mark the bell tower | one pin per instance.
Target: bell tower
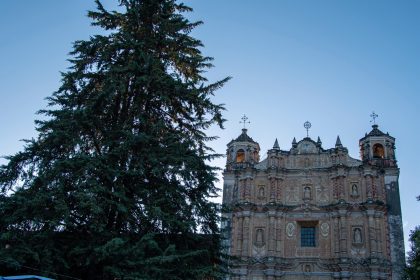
(242, 152)
(242, 156)
(377, 151)
(378, 148)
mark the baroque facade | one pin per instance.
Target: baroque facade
(313, 213)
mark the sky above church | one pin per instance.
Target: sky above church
(328, 62)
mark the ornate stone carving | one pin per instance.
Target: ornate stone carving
(292, 194)
(273, 188)
(354, 190)
(259, 237)
(261, 192)
(357, 236)
(307, 192)
(322, 194)
(325, 229)
(290, 229)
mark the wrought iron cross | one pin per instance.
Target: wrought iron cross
(373, 116)
(307, 125)
(244, 120)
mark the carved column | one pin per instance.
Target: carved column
(279, 190)
(245, 237)
(343, 233)
(278, 236)
(247, 193)
(369, 183)
(335, 188)
(372, 233)
(374, 188)
(378, 233)
(242, 189)
(336, 235)
(340, 187)
(273, 188)
(271, 233)
(239, 235)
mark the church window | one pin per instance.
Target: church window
(240, 156)
(307, 236)
(378, 151)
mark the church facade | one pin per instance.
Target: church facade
(313, 213)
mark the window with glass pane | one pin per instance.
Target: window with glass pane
(307, 236)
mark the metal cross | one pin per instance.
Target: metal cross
(373, 116)
(244, 120)
(307, 125)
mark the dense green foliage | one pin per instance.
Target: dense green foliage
(117, 184)
(413, 260)
(412, 271)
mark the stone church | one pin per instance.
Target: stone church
(313, 213)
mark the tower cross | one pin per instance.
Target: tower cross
(373, 116)
(307, 125)
(244, 120)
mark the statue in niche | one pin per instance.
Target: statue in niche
(261, 193)
(307, 268)
(354, 190)
(357, 236)
(259, 237)
(307, 193)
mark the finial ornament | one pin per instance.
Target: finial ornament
(244, 120)
(307, 125)
(373, 116)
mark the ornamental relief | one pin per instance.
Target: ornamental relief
(259, 248)
(290, 229)
(292, 194)
(325, 229)
(322, 195)
(354, 190)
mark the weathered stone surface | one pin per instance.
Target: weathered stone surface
(311, 213)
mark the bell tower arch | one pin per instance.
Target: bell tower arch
(378, 148)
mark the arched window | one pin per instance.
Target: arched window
(240, 156)
(378, 151)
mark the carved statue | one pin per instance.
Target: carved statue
(354, 190)
(307, 193)
(357, 236)
(261, 193)
(259, 239)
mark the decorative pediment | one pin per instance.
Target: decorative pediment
(307, 146)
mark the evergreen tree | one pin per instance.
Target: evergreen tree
(117, 183)
(412, 271)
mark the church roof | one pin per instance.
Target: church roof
(244, 137)
(376, 132)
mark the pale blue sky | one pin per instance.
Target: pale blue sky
(330, 62)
